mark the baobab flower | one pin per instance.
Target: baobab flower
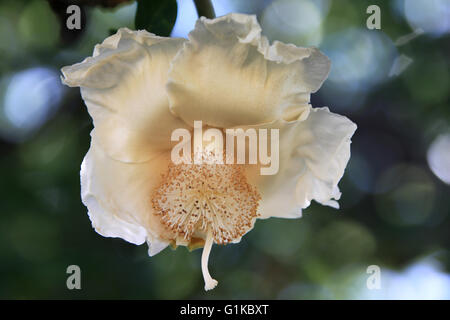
(139, 88)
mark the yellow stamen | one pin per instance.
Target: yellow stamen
(207, 201)
(195, 198)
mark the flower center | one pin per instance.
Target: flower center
(213, 201)
(201, 199)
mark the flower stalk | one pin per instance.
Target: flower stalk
(205, 8)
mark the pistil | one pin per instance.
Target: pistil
(210, 283)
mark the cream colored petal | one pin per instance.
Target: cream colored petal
(313, 157)
(117, 196)
(227, 74)
(123, 86)
(155, 245)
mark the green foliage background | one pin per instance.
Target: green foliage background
(44, 227)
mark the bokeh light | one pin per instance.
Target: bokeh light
(361, 59)
(187, 15)
(104, 22)
(432, 16)
(345, 242)
(30, 98)
(423, 279)
(406, 196)
(438, 157)
(38, 25)
(292, 21)
(361, 173)
(429, 82)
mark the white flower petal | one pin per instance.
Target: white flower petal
(117, 196)
(123, 86)
(228, 75)
(155, 245)
(313, 156)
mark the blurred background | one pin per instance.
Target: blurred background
(395, 208)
